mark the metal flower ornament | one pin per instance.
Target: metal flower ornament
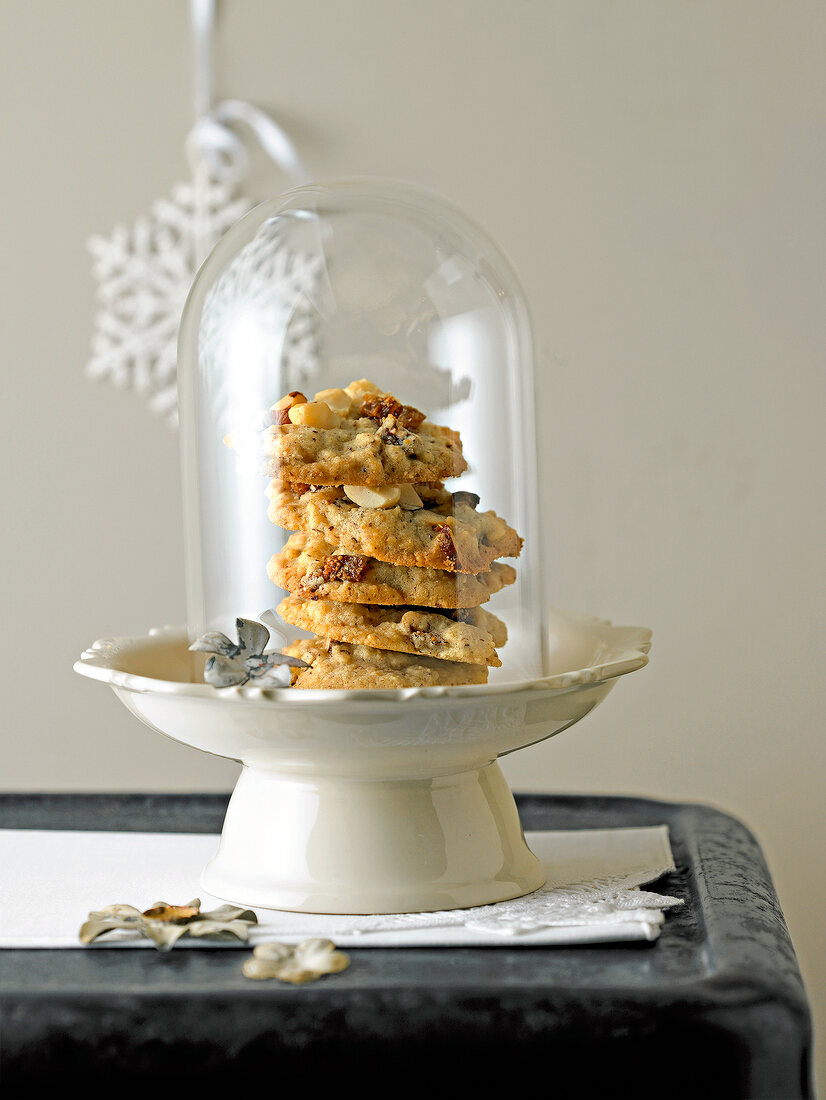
(165, 924)
(303, 962)
(236, 663)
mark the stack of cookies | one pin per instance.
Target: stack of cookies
(385, 566)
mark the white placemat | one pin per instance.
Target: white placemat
(51, 880)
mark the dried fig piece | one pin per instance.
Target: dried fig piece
(344, 567)
(445, 542)
(411, 418)
(377, 406)
(380, 406)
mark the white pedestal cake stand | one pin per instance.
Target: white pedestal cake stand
(368, 801)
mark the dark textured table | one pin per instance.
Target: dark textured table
(715, 1008)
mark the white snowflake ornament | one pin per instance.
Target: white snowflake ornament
(144, 275)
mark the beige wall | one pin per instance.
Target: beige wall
(656, 171)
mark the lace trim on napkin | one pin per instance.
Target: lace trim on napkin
(605, 900)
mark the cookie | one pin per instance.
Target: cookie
(470, 636)
(446, 532)
(358, 436)
(312, 568)
(336, 665)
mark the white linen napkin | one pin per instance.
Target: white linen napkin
(51, 880)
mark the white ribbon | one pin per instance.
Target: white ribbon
(223, 152)
(213, 146)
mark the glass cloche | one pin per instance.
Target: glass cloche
(360, 492)
(359, 442)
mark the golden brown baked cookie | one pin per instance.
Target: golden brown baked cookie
(337, 665)
(445, 533)
(310, 567)
(470, 636)
(358, 436)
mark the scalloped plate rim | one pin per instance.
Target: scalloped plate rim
(634, 643)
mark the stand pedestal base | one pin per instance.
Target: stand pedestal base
(369, 801)
(336, 845)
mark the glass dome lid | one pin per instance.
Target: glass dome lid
(358, 441)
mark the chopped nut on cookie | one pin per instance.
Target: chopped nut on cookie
(314, 414)
(357, 435)
(338, 400)
(382, 497)
(280, 412)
